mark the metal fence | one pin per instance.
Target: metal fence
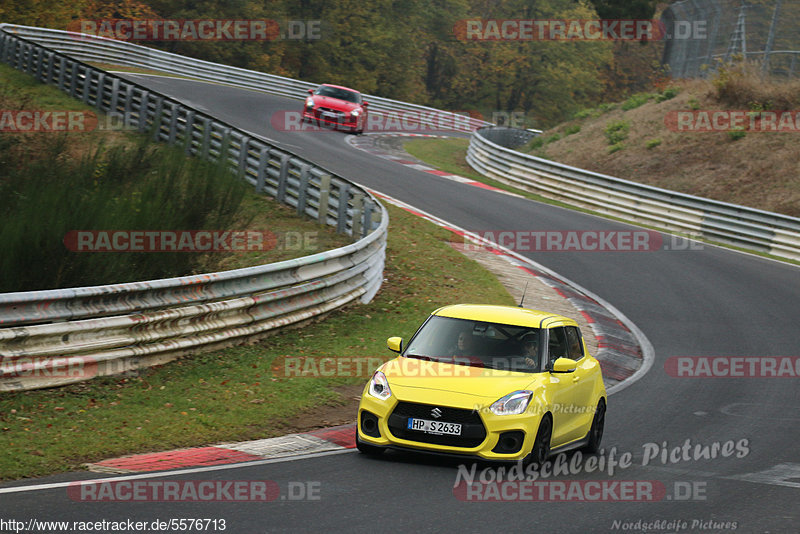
(717, 221)
(59, 336)
(101, 50)
(705, 33)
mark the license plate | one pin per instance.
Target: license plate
(434, 427)
(330, 116)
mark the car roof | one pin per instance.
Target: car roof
(511, 315)
(340, 87)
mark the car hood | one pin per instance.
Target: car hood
(334, 103)
(415, 377)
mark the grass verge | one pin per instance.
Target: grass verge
(236, 394)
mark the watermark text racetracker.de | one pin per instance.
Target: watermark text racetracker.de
(188, 240)
(143, 30)
(574, 241)
(733, 366)
(407, 121)
(706, 120)
(558, 30)
(194, 491)
(50, 121)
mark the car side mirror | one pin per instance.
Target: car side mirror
(395, 344)
(564, 365)
(364, 104)
(311, 91)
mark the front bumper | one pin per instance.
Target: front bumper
(336, 120)
(381, 424)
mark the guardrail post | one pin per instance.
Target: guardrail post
(324, 192)
(244, 146)
(73, 75)
(261, 176)
(302, 191)
(173, 122)
(188, 132)
(39, 66)
(157, 118)
(368, 210)
(114, 102)
(225, 147)
(62, 65)
(358, 206)
(49, 73)
(143, 110)
(283, 177)
(341, 213)
(206, 143)
(25, 63)
(87, 86)
(101, 89)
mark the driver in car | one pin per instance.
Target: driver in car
(530, 349)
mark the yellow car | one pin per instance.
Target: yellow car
(494, 382)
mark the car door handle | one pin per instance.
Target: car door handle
(576, 379)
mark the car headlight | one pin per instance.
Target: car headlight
(512, 404)
(309, 102)
(379, 386)
(355, 112)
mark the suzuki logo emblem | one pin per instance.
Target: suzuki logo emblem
(436, 412)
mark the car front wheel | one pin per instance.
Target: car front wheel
(541, 446)
(596, 432)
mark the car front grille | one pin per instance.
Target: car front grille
(472, 430)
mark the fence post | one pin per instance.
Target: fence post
(324, 192)
(302, 190)
(244, 146)
(261, 176)
(157, 118)
(283, 177)
(358, 206)
(341, 213)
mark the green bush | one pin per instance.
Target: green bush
(667, 94)
(735, 135)
(552, 139)
(617, 131)
(140, 187)
(536, 142)
(572, 129)
(583, 114)
(652, 143)
(616, 147)
(639, 99)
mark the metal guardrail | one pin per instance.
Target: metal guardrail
(89, 48)
(60, 336)
(741, 226)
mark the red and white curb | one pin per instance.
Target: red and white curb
(366, 142)
(323, 440)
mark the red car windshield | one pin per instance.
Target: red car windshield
(341, 94)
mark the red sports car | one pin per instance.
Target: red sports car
(336, 106)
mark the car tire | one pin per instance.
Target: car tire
(541, 445)
(596, 431)
(370, 450)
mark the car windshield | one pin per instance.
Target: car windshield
(477, 344)
(341, 94)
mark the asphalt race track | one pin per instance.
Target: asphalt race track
(706, 301)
